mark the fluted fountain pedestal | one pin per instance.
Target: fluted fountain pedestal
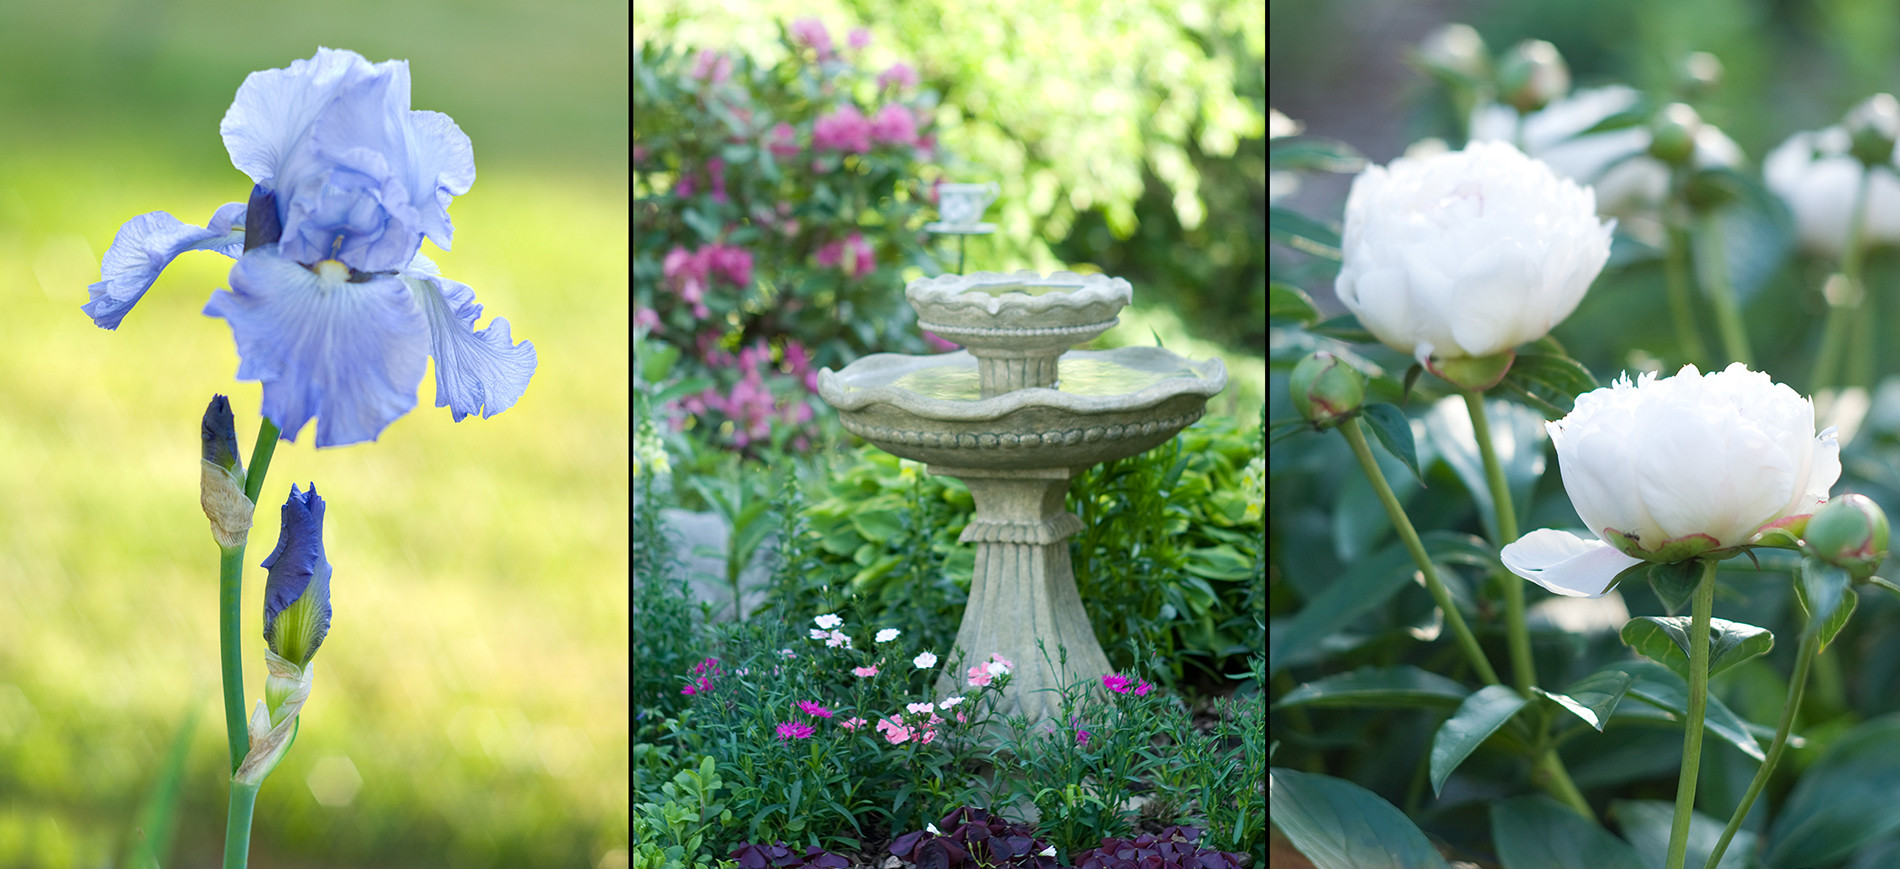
(1023, 589)
(1015, 416)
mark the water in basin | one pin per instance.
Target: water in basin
(1087, 376)
(1025, 289)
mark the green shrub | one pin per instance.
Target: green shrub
(681, 823)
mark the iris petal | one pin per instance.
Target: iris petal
(144, 246)
(275, 108)
(475, 372)
(349, 354)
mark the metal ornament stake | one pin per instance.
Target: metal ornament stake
(960, 210)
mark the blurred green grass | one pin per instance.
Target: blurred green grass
(470, 701)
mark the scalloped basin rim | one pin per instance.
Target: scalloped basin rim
(1210, 377)
(972, 291)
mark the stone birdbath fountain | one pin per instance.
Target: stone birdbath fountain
(1015, 416)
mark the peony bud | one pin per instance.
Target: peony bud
(1670, 469)
(1532, 75)
(1326, 390)
(1699, 74)
(1850, 532)
(1674, 133)
(1872, 126)
(1467, 253)
(1456, 50)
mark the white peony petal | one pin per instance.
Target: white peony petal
(1566, 564)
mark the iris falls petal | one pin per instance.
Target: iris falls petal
(475, 372)
(144, 246)
(348, 352)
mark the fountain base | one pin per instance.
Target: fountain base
(1024, 589)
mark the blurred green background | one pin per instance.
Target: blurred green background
(470, 707)
(1128, 137)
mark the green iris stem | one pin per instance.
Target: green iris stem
(1523, 667)
(1728, 313)
(1834, 333)
(1703, 610)
(237, 825)
(1682, 309)
(230, 591)
(1803, 659)
(230, 598)
(1357, 438)
(237, 832)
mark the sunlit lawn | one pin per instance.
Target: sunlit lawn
(470, 703)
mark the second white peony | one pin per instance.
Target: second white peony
(1667, 469)
(1467, 253)
(1819, 180)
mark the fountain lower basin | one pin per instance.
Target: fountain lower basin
(1105, 405)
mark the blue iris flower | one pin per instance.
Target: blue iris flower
(332, 305)
(297, 591)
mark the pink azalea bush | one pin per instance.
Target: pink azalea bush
(753, 226)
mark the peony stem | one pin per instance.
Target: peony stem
(1834, 333)
(1357, 438)
(1549, 773)
(1803, 658)
(1676, 269)
(1523, 667)
(1703, 609)
(1728, 314)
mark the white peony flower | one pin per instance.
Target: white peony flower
(1672, 468)
(828, 621)
(1615, 163)
(1468, 253)
(1816, 176)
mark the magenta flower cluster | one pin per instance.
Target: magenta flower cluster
(750, 404)
(853, 255)
(1118, 683)
(690, 273)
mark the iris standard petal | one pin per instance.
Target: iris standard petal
(475, 372)
(1566, 564)
(144, 246)
(442, 166)
(275, 108)
(349, 353)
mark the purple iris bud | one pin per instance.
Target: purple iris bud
(297, 592)
(219, 431)
(333, 307)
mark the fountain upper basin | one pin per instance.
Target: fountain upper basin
(1106, 405)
